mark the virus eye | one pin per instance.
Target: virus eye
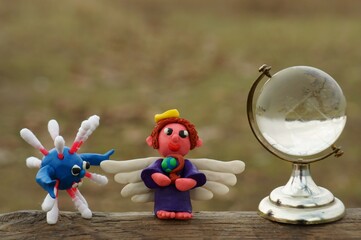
(168, 131)
(75, 170)
(183, 133)
(86, 165)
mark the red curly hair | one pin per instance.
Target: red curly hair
(193, 134)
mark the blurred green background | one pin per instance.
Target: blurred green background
(127, 60)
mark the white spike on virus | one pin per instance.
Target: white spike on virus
(59, 146)
(82, 207)
(53, 128)
(87, 127)
(48, 202)
(83, 131)
(53, 214)
(33, 162)
(97, 178)
(93, 122)
(30, 138)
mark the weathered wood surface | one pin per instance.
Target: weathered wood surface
(141, 225)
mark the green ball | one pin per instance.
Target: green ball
(168, 164)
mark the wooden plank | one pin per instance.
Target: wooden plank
(142, 225)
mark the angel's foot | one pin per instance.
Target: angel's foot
(183, 215)
(161, 214)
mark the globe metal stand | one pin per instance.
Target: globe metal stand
(300, 201)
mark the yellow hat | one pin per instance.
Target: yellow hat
(172, 113)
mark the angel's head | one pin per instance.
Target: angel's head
(173, 135)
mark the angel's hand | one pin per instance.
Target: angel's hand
(185, 184)
(161, 179)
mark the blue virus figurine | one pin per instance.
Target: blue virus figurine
(63, 169)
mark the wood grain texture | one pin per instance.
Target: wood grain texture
(143, 225)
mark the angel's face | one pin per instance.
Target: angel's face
(174, 139)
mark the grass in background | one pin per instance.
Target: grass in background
(127, 60)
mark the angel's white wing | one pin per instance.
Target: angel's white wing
(128, 173)
(219, 174)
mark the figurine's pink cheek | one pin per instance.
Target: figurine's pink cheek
(186, 142)
(184, 146)
(163, 140)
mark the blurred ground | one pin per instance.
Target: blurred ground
(127, 60)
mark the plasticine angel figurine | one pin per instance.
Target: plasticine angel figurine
(171, 181)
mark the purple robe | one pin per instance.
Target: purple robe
(169, 198)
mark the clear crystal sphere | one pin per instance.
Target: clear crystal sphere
(301, 111)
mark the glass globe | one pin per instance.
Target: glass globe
(301, 111)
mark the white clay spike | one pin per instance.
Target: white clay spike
(94, 120)
(53, 214)
(30, 138)
(33, 162)
(82, 208)
(53, 128)
(80, 196)
(84, 127)
(99, 179)
(80, 136)
(48, 203)
(59, 145)
(94, 123)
